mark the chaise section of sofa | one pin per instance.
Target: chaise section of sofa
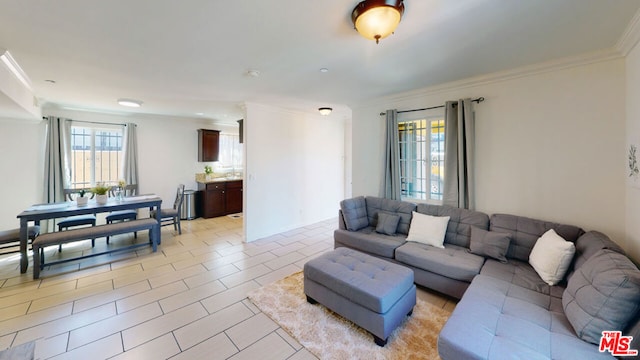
(496, 319)
(508, 311)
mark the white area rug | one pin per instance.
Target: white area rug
(329, 336)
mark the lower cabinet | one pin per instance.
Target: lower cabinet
(221, 198)
(233, 201)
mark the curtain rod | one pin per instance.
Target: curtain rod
(478, 100)
(94, 122)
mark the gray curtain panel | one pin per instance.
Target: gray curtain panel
(459, 154)
(392, 186)
(57, 171)
(130, 155)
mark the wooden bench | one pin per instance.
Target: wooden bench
(64, 237)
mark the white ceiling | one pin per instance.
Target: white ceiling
(192, 56)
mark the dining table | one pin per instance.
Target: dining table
(39, 212)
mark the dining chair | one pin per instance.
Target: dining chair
(11, 238)
(77, 220)
(172, 216)
(123, 215)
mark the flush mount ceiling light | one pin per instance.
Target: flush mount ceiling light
(377, 19)
(325, 111)
(130, 103)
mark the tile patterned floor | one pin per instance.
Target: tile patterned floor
(187, 301)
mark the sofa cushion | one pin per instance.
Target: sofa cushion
(525, 232)
(489, 243)
(428, 229)
(453, 261)
(369, 241)
(522, 274)
(590, 243)
(551, 257)
(354, 213)
(395, 207)
(496, 319)
(387, 223)
(460, 222)
(602, 295)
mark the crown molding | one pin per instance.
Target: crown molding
(630, 37)
(524, 71)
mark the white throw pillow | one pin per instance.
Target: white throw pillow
(551, 257)
(428, 229)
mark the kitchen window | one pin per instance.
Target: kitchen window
(422, 158)
(96, 155)
(230, 153)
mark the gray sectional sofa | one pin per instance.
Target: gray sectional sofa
(505, 310)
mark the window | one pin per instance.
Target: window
(422, 158)
(230, 153)
(96, 155)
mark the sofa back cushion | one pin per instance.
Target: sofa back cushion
(602, 295)
(525, 232)
(590, 243)
(354, 213)
(460, 222)
(393, 207)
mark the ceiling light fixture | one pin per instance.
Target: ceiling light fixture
(15, 69)
(324, 111)
(377, 19)
(130, 103)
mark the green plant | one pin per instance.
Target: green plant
(81, 192)
(100, 189)
(208, 170)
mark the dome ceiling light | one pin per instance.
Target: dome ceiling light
(324, 111)
(377, 19)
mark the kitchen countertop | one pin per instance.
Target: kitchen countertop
(201, 178)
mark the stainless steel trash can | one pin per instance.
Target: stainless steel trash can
(188, 210)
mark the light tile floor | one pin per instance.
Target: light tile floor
(186, 301)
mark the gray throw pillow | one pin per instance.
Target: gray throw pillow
(602, 295)
(354, 212)
(387, 223)
(489, 243)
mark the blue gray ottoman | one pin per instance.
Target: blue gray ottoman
(373, 293)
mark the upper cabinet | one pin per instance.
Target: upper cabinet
(208, 145)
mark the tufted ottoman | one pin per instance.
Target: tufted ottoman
(373, 293)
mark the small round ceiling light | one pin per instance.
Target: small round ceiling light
(324, 111)
(377, 19)
(130, 103)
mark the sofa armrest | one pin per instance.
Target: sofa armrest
(341, 224)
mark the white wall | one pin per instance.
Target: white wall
(22, 164)
(294, 169)
(548, 145)
(633, 137)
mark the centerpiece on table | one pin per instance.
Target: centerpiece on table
(101, 190)
(120, 190)
(81, 200)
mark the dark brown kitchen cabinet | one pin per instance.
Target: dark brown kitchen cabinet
(233, 199)
(221, 198)
(208, 145)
